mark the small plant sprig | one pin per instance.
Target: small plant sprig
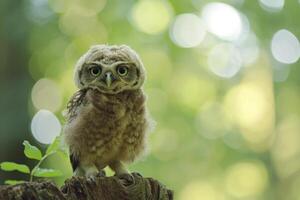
(32, 152)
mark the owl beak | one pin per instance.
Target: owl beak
(108, 78)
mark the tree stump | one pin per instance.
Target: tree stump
(81, 188)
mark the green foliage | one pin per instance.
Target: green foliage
(32, 152)
(13, 182)
(54, 146)
(40, 172)
(11, 166)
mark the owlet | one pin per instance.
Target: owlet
(107, 119)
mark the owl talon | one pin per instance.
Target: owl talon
(101, 174)
(126, 179)
(91, 178)
(137, 174)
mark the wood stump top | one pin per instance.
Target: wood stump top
(81, 188)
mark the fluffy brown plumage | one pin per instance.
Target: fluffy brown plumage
(107, 120)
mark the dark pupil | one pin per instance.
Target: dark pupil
(122, 70)
(95, 71)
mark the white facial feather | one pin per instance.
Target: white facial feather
(98, 50)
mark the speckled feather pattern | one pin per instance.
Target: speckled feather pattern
(107, 119)
(108, 127)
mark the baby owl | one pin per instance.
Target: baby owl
(107, 120)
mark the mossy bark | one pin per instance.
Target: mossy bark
(98, 188)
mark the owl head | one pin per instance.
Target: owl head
(109, 69)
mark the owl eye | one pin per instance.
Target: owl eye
(95, 70)
(122, 70)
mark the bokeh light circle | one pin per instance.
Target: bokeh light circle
(225, 60)
(89, 25)
(223, 20)
(46, 94)
(285, 47)
(280, 72)
(188, 30)
(151, 16)
(205, 122)
(272, 5)
(91, 7)
(45, 126)
(249, 49)
(203, 190)
(246, 179)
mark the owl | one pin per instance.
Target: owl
(107, 121)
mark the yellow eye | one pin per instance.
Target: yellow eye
(95, 70)
(122, 70)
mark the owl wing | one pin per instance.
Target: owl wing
(70, 113)
(74, 103)
(74, 161)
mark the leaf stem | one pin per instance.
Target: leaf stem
(37, 166)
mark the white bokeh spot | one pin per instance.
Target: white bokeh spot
(285, 47)
(225, 60)
(188, 30)
(45, 126)
(272, 5)
(46, 94)
(249, 49)
(223, 20)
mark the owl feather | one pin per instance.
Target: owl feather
(76, 101)
(107, 118)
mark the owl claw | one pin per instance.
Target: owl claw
(91, 178)
(137, 174)
(126, 179)
(101, 174)
(94, 176)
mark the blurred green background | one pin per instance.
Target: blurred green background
(223, 85)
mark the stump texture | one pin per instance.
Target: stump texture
(98, 188)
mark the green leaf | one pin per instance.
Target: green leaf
(11, 166)
(63, 151)
(31, 151)
(54, 146)
(13, 182)
(40, 172)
